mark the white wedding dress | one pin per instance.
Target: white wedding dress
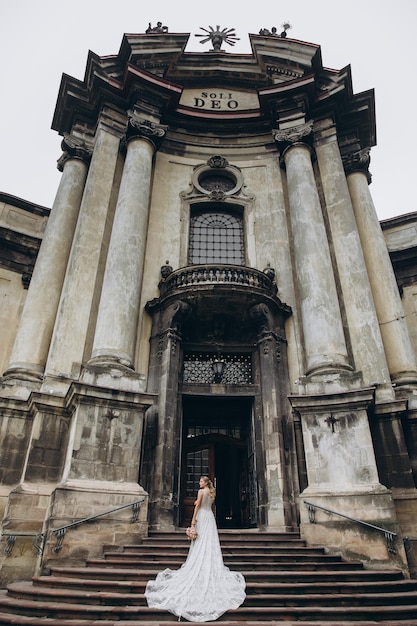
(203, 588)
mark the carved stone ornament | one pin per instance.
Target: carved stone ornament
(358, 162)
(217, 179)
(73, 148)
(295, 134)
(217, 161)
(146, 129)
(166, 270)
(262, 315)
(217, 37)
(270, 272)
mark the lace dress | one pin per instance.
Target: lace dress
(203, 588)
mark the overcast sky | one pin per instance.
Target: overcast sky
(40, 40)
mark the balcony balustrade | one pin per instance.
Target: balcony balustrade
(208, 275)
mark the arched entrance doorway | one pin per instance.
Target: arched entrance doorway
(217, 440)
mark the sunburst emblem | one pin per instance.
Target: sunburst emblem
(217, 37)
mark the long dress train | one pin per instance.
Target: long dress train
(203, 588)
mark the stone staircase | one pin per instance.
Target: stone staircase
(286, 580)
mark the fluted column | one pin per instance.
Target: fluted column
(394, 331)
(366, 341)
(116, 328)
(324, 341)
(33, 338)
(80, 287)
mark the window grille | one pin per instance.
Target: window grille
(234, 432)
(198, 368)
(216, 237)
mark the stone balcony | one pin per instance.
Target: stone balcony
(232, 277)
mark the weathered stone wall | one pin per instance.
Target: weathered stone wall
(21, 229)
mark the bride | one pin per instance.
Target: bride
(203, 588)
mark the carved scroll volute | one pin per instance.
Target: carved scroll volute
(175, 315)
(358, 162)
(263, 317)
(301, 135)
(145, 129)
(73, 148)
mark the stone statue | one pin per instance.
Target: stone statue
(166, 270)
(274, 31)
(157, 29)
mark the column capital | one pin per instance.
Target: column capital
(300, 135)
(358, 162)
(145, 129)
(73, 148)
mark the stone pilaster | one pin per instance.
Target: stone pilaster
(276, 513)
(398, 348)
(33, 338)
(73, 319)
(115, 335)
(325, 347)
(362, 321)
(163, 485)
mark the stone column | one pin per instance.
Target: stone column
(79, 291)
(394, 331)
(324, 340)
(116, 328)
(33, 338)
(362, 321)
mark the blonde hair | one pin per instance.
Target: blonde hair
(210, 486)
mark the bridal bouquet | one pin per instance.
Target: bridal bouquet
(191, 533)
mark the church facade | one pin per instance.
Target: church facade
(211, 293)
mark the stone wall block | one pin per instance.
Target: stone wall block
(49, 438)
(106, 443)
(351, 539)
(15, 428)
(80, 500)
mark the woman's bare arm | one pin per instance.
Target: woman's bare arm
(197, 504)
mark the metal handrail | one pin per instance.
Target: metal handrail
(40, 538)
(38, 541)
(407, 544)
(389, 534)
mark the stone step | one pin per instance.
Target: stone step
(244, 613)
(238, 536)
(260, 549)
(248, 557)
(28, 591)
(297, 585)
(20, 620)
(138, 586)
(235, 564)
(145, 574)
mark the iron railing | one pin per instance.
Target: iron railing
(389, 535)
(39, 539)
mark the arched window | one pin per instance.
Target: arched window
(216, 236)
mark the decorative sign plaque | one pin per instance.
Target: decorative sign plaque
(225, 100)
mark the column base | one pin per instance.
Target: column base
(113, 375)
(330, 381)
(19, 383)
(111, 358)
